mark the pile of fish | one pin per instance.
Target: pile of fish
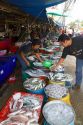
(59, 69)
(60, 77)
(50, 47)
(57, 54)
(38, 64)
(22, 117)
(36, 73)
(45, 56)
(24, 110)
(56, 91)
(49, 50)
(55, 57)
(56, 43)
(31, 58)
(34, 84)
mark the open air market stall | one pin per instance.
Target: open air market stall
(44, 97)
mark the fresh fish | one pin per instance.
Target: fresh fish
(56, 91)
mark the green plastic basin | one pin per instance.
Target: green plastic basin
(47, 63)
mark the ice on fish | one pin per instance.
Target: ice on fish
(58, 113)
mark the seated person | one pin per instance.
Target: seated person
(35, 35)
(35, 50)
(21, 54)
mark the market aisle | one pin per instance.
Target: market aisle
(76, 96)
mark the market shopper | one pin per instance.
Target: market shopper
(72, 46)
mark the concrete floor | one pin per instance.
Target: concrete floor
(76, 96)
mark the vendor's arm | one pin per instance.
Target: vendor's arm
(38, 57)
(24, 58)
(64, 54)
(56, 65)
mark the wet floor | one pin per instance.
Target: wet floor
(76, 96)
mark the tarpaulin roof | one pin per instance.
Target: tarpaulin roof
(35, 7)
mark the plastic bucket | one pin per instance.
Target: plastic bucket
(33, 91)
(7, 67)
(72, 123)
(59, 106)
(47, 63)
(65, 99)
(45, 123)
(53, 87)
(58, 82)
(39, 91)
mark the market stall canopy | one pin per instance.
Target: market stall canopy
(35, 7)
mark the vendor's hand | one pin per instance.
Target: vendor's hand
(41, 61)
(52, 68)
(28, 64)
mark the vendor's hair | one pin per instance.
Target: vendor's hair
(63, 37)
(36, 42)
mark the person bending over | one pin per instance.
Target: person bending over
(72, 46)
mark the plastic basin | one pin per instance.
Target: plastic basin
(47, 63)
